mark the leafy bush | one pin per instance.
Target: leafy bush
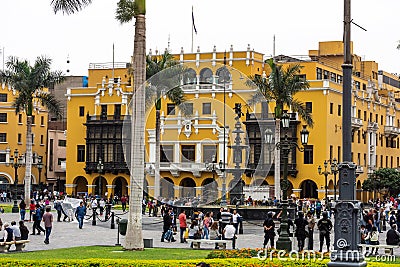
(158, 263)
(251, 253)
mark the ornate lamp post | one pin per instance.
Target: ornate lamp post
(212, 167)
(100, 167)
(285, 145)
(325, 173)
(16, 161)
(39, 165)
(334, 171)
(222, 168)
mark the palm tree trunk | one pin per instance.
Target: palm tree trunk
(28, 159)
(157, 159)
(134, 238)
(277, 172)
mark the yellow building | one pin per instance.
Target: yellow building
(95, 161)
(189, 142)
(13, 137)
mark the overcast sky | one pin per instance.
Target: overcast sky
(30, 28)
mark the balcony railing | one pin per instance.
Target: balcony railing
(268, 116)
(269, 169)
(356, 123)
(359, 170)
(108, 167)
(392, 131)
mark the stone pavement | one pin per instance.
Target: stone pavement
(67, 234)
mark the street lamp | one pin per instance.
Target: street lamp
(222, 168)
(212, 167)
(285, 145)
(39, 165)
(100, 167)
(334, 171)
(16, 161)
(325, 173)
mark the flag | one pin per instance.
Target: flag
(193, 25)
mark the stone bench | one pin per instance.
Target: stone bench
(221, 243)
(19, 245)
(388, 248)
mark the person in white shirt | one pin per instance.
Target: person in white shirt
(16, 231)
(235, 220)
(229, 233)
(102, 205)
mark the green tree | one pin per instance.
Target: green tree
(281, 86)
(162, 84)
(128, 10)
(28, 82)
(386, 178)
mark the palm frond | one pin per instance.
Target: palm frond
(300, 108)
(51, 103)
(69, 6)
(126, 11)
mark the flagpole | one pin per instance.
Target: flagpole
(113, 62)
(192, 29)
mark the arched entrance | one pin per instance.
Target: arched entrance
(4, 183)
(209, 189)
(167, 188)
(331, 191)
(308, 189)
(101, 186)
(81, 186)
(358, 190)
(121, 186)
(188, 189)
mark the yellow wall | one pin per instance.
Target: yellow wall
(327, 129)
(12, 128)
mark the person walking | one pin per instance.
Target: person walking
(48, 223)
(58, 208)
(123, 203)
(24, 230)
(22, 209)
(310, 227)
(182, 225)
(301, 233)
(269, 230)
(32, 208)
(167, 224)
(37, 218)
(80, 213)
(325, 226)
(102, 205)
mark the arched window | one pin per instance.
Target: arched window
(223, 75)
(206, 76)
(190, 77)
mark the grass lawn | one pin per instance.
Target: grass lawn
(104, 252)
(7, 207)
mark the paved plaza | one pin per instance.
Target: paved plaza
(67, 234)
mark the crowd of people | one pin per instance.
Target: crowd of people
(200, 225)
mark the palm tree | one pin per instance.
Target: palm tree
(281, 85)
(127, 10)
(28, 82)
(173, 91)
